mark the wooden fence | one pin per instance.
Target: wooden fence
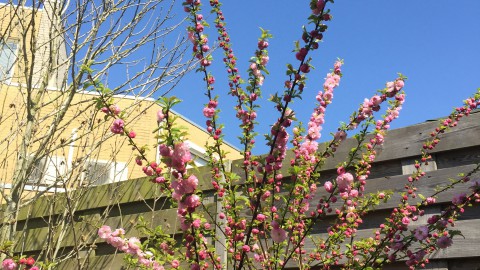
(122, 204)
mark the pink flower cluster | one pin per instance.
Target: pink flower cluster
(310, 146)
(9, 264)
(176, 158)
(421, 233)
(209, 110)
(131, 246)
(257, 72)
(200, 45)
(114, 109)
(184, 186)
(344, 180)
(277, 233)
(117, 126)
(274, 161)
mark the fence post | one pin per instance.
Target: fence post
(220, 240)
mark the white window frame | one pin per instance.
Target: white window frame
(53, 168)
(9, 75)
(199, 153)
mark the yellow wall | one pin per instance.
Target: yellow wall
(93, 139)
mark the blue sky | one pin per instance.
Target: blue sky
(434, 43)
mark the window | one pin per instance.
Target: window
(104, 172)
(48, 171)
(198, 154)
(199, 159)
(97, 173)
(8, 56)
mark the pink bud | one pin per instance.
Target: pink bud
(160, 116)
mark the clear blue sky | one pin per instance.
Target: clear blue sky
(436, 44)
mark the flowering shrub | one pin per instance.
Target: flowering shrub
(22, 263)
(267, 218)
(281, 213)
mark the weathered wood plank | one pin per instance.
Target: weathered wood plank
(458, 157)
(426, 186)
(106, 262)
(404, 143)
(86, 227)
(464, 264)
(461, 248)
(86, 231)
(105, 195)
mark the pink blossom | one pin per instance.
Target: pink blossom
(160, 180)
(264, 60)
(175, 263)
(344, 182)
(191, 36)
(192, 202)
(399, 84)
(261, 217)
(190, 184)
(133, 245)
(9, 264)
(118, 232)
(328, 186)
(160, 116)
(117, 126)
(405, 220)
(262, 44)
(197, 223)
(278, 234)
(459, 199)
(376, 100)
(104, 232)
(421, 233)
(165, 151)
(444, 242)
(116, 241)
(181, 155)
(260, 80)
(208, 112)
(115, 109)
(430, 200)
(199, 27)
(390, 87)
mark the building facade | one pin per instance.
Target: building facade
(52, 136)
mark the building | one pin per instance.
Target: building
(51, 134)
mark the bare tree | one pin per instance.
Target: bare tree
(50, 132)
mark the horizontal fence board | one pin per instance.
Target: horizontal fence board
(102, 196)
(106, 262)
(464, 264)
(458, 157)
(86, 230)
(461, 248)
(402, 143)
(426, 186)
